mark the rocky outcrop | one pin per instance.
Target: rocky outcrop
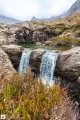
(41, 33)
(24, 35)
(14, 52)
(35, 60)
(68, 64)
(6, 68)
(28, 35)
(7, 35)
(39, 36)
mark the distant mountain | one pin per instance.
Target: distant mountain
(74, 8)
(34, 18)
(51, 18)
(8, 20)
(56, 17)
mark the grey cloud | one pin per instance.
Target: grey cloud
(25, 9)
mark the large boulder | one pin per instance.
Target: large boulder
(14, 52)
(35, 60)
(6, 68)
(68, 64)
(24, 34)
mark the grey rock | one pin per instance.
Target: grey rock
(14, 52)
(68, 64)
(6, 68)
(35, 59)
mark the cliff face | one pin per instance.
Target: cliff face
(74, 8)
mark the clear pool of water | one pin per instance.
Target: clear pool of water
(33, 46)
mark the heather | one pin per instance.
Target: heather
(23, 97)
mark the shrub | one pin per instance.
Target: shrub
(26, 98)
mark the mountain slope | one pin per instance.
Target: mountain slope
(74, 8)
(7, 20)
(51, 18)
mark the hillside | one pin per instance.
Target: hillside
(74, 8)
(63, 31)
(8, 20)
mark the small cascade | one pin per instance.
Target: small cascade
(47, 67)
(24, 62)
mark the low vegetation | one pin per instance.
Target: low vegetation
(23, 97)
(65, 41)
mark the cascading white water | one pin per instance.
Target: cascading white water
(24, 62)
(47, 67)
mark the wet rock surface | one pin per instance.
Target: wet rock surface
(35, 60)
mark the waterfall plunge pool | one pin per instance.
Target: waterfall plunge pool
(47, 47)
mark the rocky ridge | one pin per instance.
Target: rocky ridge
(74, 8)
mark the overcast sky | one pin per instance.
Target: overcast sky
(26, 9)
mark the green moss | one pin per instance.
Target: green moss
(70, 71)
(27, 45)
(77, 52)
(10, 52)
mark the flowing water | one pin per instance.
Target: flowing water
(47, 67)
(24, 62)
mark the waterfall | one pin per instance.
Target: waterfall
(24, 62)
(47, 67)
